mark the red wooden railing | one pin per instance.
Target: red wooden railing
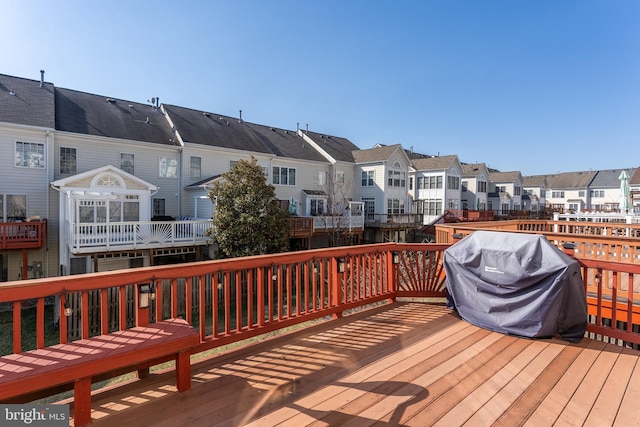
(22, 235)
(231, 300)
(613, 299)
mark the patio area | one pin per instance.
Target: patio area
(405, 363)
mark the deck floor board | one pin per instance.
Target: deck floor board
(404, 364)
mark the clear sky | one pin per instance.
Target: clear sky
(536, 86)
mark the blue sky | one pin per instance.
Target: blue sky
(536, 86)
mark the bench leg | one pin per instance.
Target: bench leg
(183, 371)
(82, 402)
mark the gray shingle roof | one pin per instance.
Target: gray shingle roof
(635, 177)
(511, 176)
(338, 148)
(472, 169)
(216, 130)
(534, 181)
(24, 102)
(433, 163)
(570, 180)
(608, 178)
(377, 154)
(98, 115)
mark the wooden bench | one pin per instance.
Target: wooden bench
(78, 361)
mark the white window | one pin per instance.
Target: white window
(284, 176)
(13, 207)
(430, 207)
(369, 207)
(318, 207)
(453, 183)
(68, 161)
(395, 206)
(368, 178)
(167, 167)
(29, 155)
(340, 177)
(196, 167)
(158, 207)
(482, 186)
(396, 179)
(126, 163)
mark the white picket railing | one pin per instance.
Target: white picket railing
(94, 237)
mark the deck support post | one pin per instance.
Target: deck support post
(183, 371)
(82, 402)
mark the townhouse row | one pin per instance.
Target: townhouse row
(93, 183)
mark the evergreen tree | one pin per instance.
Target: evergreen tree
(247, 219)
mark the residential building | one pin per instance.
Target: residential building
(604, 190)
(569, 191)
(505, 194)
(383, 188)
(534, 192)
(437, 185)
(475, 186)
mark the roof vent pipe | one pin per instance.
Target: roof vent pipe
(41, 78)
(298, 127)
(240, 119)
(307, 128)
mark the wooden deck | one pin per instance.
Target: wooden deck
(404, 364)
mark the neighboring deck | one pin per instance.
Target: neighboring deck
(407, 364)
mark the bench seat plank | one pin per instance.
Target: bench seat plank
(64, 363)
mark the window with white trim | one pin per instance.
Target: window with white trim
(127, 163)
(453, 183)
(368, 178)
(284, 176)
(395, 206)
(159, 207)
(195, 167)
(68, 161)
(29, 155)
(369, 206)
(318, 207)
(396, 179)
(13, 207)
(167, 167)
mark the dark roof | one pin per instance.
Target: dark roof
(635, 177)
(216, 130)
(98, 115)
(205, 181)
(340, 149)
(608, 178)
(24, 102)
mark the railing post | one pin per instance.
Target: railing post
(392, 277)
(336, 279)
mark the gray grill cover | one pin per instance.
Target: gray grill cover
(517, 284)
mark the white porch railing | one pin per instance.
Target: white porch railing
(347, 222)
(119, 236)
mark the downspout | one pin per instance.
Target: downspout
(48, 179)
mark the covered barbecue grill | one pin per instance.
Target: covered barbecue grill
(518, 284)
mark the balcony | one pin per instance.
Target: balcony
(394, 221)
(22, 235)
(370, 355)
(306, 226)
(123, 236)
